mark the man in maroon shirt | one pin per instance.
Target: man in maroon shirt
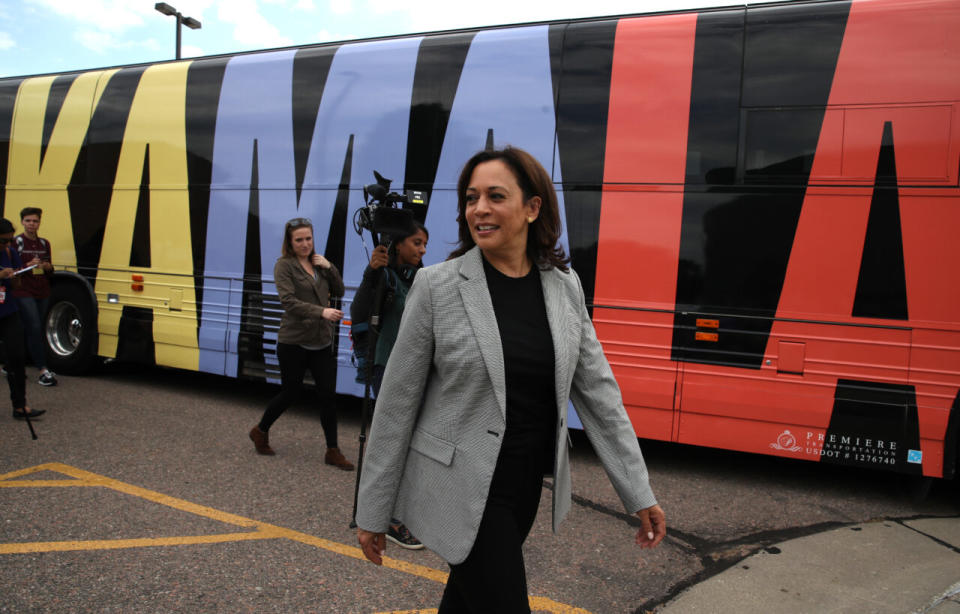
(34, 292)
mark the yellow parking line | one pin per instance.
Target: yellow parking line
(44, 483)
(93, 479)
(19, 472)
(357, 553)
(116, 544)
(264, 530)
(261, 530)
(543, 604)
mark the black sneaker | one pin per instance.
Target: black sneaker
(47, 378)
(401, 536)
(33, 413)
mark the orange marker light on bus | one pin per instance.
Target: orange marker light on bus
(707, 337)
(137, 285)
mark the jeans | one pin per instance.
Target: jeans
(32, 312)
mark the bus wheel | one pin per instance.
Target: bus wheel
(70, 330)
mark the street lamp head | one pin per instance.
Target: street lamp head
(165, 8)
(191, 23)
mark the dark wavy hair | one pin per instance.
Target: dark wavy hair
(295, 224)
(544, 232)
(415, 227)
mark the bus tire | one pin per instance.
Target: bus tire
(70, 330)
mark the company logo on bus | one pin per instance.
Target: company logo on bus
(787, 441)
(855, 449)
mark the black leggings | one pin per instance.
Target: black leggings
(493, 577)
(11, 333)
(294, 361)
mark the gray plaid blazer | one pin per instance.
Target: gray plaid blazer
(441, 414)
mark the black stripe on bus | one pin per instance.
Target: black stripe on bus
(8, 99)
(436, 77)
(768, 139)
(250, 348)
(882, 285)
(91, 186)
(310, 70)
(715, 97)
(58, 93)
(874, 425)
(950, 441)
(140, 242)
(336, 236)
(204, 79)
(135, 336)
(583, 105)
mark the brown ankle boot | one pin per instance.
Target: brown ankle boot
(337, 459)
(261, 441)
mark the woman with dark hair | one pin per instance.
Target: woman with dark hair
(395, 267)
(305, 282)
(11, 329)
(494, 342)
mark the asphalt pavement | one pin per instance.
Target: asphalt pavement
(144, 494)
(910, 566)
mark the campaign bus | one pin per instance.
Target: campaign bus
(762, 202)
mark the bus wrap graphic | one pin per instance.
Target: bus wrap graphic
(761, 202)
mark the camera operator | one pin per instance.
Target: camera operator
(396, 267)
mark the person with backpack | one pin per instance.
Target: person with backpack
(395, 267)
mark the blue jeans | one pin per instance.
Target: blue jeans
(32, 312)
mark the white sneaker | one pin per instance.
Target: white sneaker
(47, 378)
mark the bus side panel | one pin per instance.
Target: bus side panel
(147, 230)
(747, 166)
(639, 233)
(253, 173)
(520, 111)
(362, 125)
(203, 93)
(880, 258)
(51, 123)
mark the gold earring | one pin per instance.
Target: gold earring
(530, 220)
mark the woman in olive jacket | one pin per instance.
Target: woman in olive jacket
(305, 282)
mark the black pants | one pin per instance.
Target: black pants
(294, 361)
(493, 578)
(11, 333)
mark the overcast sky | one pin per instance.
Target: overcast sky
(44, 36)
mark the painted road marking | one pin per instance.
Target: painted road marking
(259, 530)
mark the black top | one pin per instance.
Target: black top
(528, 360)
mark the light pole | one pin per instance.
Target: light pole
(190, 22)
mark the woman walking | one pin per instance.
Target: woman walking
(305, 282)
(494, 342)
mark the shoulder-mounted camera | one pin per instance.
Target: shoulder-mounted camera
(388, 214)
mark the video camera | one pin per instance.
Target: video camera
(387, 214)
